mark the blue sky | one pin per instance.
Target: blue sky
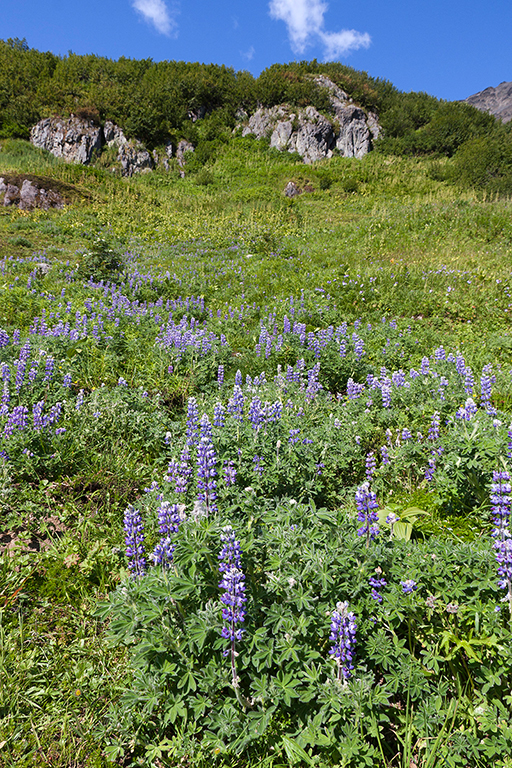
(448, 48)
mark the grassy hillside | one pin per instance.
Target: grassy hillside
(162, 296)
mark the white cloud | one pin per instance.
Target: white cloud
(249, 54)
(155, 12)
(305, 22)
(338, 43)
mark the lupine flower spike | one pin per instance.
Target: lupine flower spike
(233, 598)
(134, 539)
(366, 502)
(343, 635)
(501, 501)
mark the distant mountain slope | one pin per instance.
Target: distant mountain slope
(497, 101)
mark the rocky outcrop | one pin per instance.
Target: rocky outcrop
(497, 101)
(314, 136)
(74, 139)
(132, 155)
(291, 190)
(134, 158)
(27, 195)
(181, 155)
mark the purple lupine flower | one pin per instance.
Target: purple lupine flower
(343, 635)
(206, 474)
(220, 376)
(229, 472)
(32, 373)
(354, 390)
(4, 338)
(469, 382)
(134, 539)
(20, 373)
(377, 584)
(66, 381)
(37, 412)
(466, 411)
(258, 465)
(233, 599)
(431, 468)
(408, 586)
(406, 434)
(439, 353)
(486, 381)
(256, 414)
(79, 400)
(122, 382)
(371, 464)
(433, 431)
(205, 428)
(163, 552)
(219, 415)
(358, 346)
(236, 403)
(49, 367)
(385, 389)
(366, 502)
(238, 378)
(169, 519)
(425, 366)
(293, 437)
(16, 419)
(501, 500)
(384, 455)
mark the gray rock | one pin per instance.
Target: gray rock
(11, 194)
(29, 196)
(282, 134)
(291, 189)
(497, 101)
(113, 134)
(181, 150)
(314, 138)
(353, 136)
(74, 139)
(42, 268)
(311, 134)
(263, 122)
(134, 158)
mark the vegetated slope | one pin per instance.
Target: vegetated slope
(496, 101)
(103, 352)
(160, 101)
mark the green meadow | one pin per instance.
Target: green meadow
(100, 666)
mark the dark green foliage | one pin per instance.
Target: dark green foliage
(101, 261)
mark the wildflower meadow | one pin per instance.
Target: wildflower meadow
(255, 483)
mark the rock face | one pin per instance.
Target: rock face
(497, 101)
(73, 139)
(311, 134)
(29, 195)
(182, 149)
(132, 155)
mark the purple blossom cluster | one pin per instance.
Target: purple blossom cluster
(343, 637)
(366, 502)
